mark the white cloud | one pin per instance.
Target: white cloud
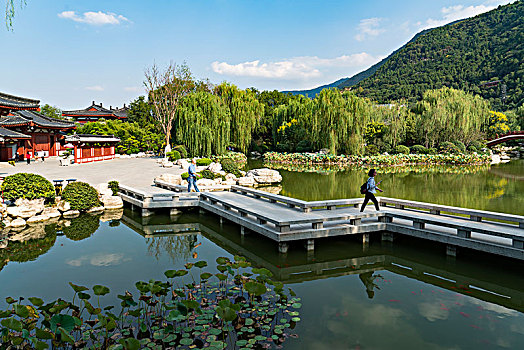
(368, 27)
(94, 88)
(456, 12)
(132, 89)
(304, 67)
(94, 18)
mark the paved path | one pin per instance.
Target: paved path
(136, 172)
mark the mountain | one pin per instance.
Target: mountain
(483, 55)
(355, 79)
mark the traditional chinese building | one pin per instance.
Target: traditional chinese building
(95, 112)
(23, 129)
(92, 148)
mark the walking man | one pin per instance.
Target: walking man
(192, 176)
(371, 190)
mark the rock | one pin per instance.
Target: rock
(63, 206)
(18, 222)
(242, 172)
(246, 181)
(103, 189)
(3, 208)
(205, 182)
(183, 163)
(13, 211)
(170, 178)
(167, 164)
(265, 176)
(218, 181)
(37, 218)
(28, 208)
(51, 212)
(184, 183)
(71, 214)
(112, 202)
(36, 231)
(229, 182)
(95, 210)
(215, 167)
(231, 177)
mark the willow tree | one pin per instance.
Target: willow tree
(202, 124)
(10, 11)
(165, 89)
(449, 115)
(339, 121)
(299, 109)
(245, 111)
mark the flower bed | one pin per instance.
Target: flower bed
(383, 159)
(237, 157)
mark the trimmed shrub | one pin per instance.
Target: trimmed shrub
(173, 156)
(113, 186)
(230, 166)
(29, 186)
(419, 149)
(208, 174)
(282, 147)
(182, 150)
(185, 176)
(401, 149)
(460, 145)
(448, 147)
(432, 150)
(203, 162)
(478, 145)
(371, 150)
(81, 196)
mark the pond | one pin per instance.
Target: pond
(405, 295)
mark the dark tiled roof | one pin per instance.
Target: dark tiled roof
(99, 111)
(10, 134)
(17, 102)
(26, 117)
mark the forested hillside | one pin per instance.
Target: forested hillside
(483, 55)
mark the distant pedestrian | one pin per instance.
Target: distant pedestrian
(28, 157)
(42, 154)
(192, 176)
(371, 189)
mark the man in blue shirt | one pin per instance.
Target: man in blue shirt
(371, 190)
(192, 176)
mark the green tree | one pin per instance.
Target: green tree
(51, 111)
(140, 111)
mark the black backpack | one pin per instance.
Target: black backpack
(364, 188)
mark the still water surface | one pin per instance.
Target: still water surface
(405, 295)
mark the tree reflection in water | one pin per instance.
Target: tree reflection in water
(177, 247)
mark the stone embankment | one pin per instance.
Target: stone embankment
(25, 212)
(255, 177)
(503, 154)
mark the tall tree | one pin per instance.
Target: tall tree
(10, 11)
(165, 89)
(140, 111)
(51, 111)
(245, 110)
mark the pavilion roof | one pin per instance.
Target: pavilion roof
(98, 111)
(20, 118)
(11, 134)
(16, 102)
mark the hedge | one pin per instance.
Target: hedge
(81, 196)
(203, 162)
(28, 186)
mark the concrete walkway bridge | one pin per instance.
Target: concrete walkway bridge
(286, 220)
(510, 136)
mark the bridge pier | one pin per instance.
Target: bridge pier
(174, 211)
(387, 236)
(365, 238)
(310, 245)
(147, 212)
(221, 220)
(451, 250)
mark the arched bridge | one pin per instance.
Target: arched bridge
(515, 135)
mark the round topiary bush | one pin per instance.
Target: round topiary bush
(203, 162)
(173, 156)
(449, 148)
(29, 186)
(182, 150)
(460, 145)
(401, 149)
(419, 149)
(371, 150)
(230, 166)
(81, 196)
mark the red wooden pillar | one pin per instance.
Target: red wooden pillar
(76, 158)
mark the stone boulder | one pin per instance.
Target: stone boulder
(246, 181)
(37, 218)
(112, 202)
(205, 182)
(170, 178)
(265, 176)
(215, 167)
(231, 177)
(218, 181)
(18, 222)
(71, 214)
(183, 163)
(28, 208)
(13, 211)
(112, 215)
(103, 189)
(63, 206)
(229, 182)
(3, 208)
(51, 212)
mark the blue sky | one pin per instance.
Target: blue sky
(70, 52)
